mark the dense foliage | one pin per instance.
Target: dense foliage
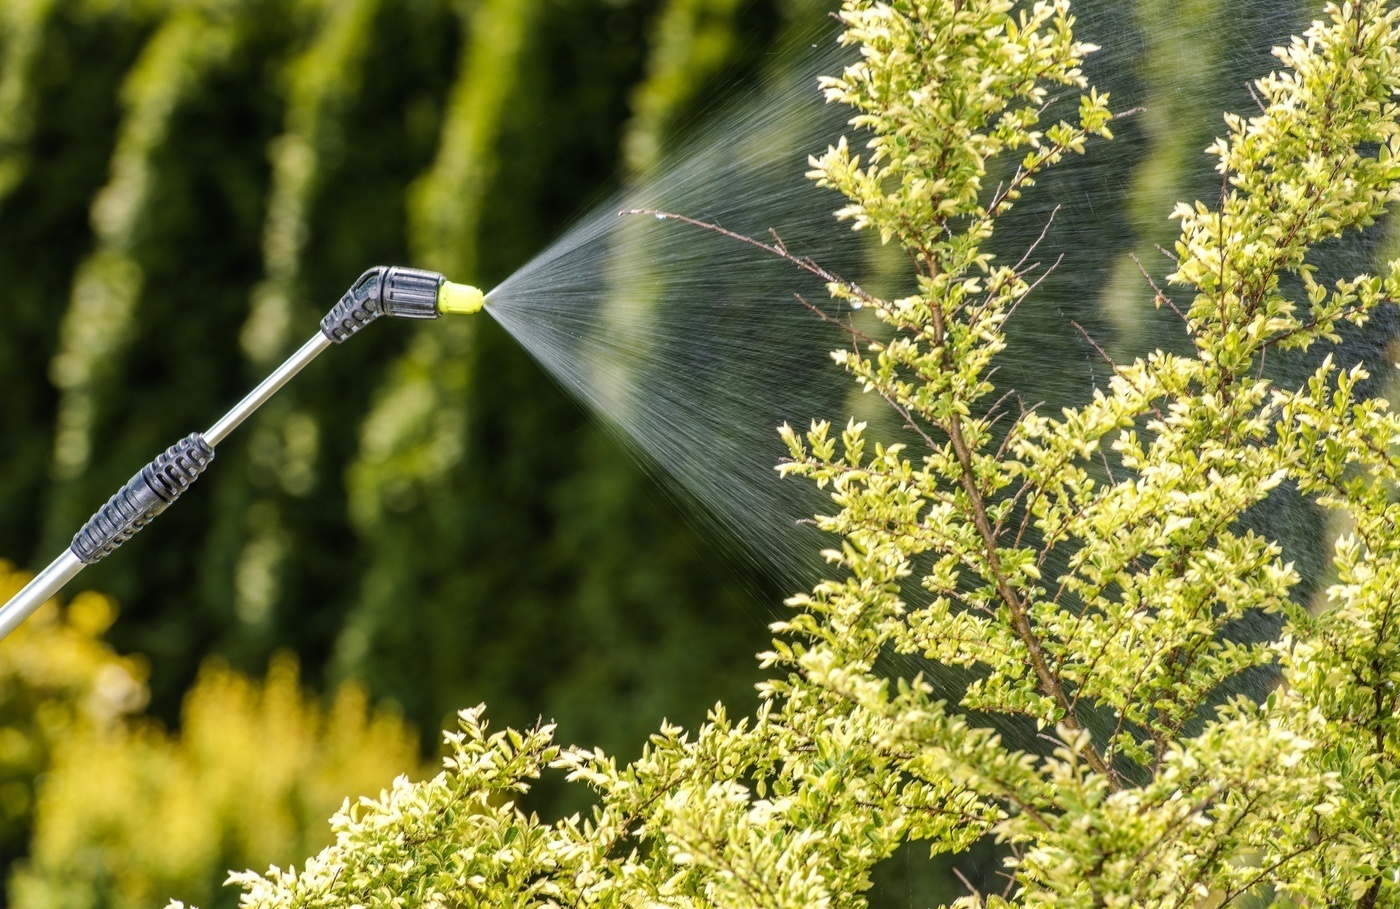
(1148, 786)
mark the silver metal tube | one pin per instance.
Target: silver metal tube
(258, 396)
(47, 583)
(64, 568)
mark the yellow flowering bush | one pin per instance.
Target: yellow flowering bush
(125, 813)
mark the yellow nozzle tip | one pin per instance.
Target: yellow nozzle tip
(459, 299)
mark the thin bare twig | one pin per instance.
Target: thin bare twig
(1010, 878)
(1090, 338)
(1010, 310)
(1044, 231)
(1103, 353)
(1161, 297)
(1000, 401)
(1255, 95)
(1107, 468)
(972, 891)
(778, 248)
(847, 327)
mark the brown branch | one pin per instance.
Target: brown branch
(1103, 353)
(1090, 338)
(972, 891)
(848, 328)
(778, 249)
(1161, 297)
(1016, 606)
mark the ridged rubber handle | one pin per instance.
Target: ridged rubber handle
(358, 308)
(383, 291)
(146, 495)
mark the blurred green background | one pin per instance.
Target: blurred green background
(422, 518)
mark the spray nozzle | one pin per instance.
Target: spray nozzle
(459, 299)
(407, 293)
(410, 293)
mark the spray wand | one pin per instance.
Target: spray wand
(408, 293)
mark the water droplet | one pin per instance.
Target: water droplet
(660, 216)
(857, 304)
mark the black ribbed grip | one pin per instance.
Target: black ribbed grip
(146, 495)
(383, 291)
(358, 308)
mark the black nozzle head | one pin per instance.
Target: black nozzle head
(407, 293)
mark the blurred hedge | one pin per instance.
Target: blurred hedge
(185, 187)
